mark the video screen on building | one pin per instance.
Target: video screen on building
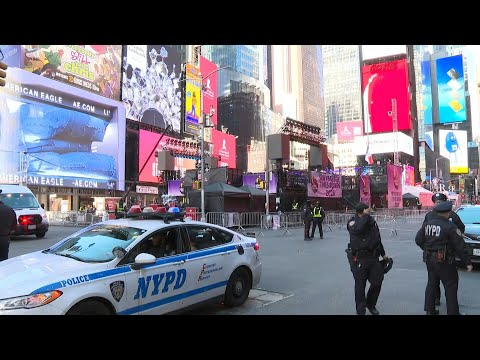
(347, 130)
(451, 90)
(426, 92)
(54, 134)
(224, 148)
(385, 96)
(151, 88)
(454, 146)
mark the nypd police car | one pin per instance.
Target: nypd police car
(148, 264)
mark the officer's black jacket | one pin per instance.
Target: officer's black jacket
(8, 219)
(307, 213)
(365, 235)
(453, 218)
(440, 233)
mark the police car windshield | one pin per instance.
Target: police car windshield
(469, 215)
(19, 200)
(96, 243)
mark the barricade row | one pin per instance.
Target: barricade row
(74, 218)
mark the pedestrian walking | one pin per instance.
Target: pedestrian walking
(318, 217)
(366, 247)
(307, 219)
(441, 241)
(8, 221)
(439, 198)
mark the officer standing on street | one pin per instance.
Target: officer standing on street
(440, 240)
(439, 198)
(307, 219)
(318, 217)
(8, 221)
(366, 247)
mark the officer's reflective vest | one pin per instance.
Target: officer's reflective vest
(120, 208)
(317, 212)
(295, 206)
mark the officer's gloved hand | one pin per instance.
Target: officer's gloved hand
(385, 257)
(469, 267)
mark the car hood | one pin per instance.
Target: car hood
(472, 231)
(24, 274)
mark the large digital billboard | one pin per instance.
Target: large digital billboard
(151, 88)
(95, 68)
(453, 145)
(210, 94)
(258, 180)
(55, 134)
(426, 92)
(147, 141)
(347, 130)
(192, 100)
(451, 90)
(224, 147)
(383, 143)
(385, 96)
(380, 51)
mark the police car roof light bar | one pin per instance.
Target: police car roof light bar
(166, 217)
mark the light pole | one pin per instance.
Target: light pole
(202, 139)
(436, 166)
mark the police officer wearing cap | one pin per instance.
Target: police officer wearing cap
(438, 198)
(8, 221)
(440, 240)
(307, 218)
(366, 247)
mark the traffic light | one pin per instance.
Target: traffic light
(3, 73)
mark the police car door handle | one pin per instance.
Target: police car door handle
(181, 262)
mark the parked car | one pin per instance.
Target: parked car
(151, 263)
(470, 216)
(31, 217)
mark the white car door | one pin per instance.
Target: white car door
(157, 288)
(208, 263)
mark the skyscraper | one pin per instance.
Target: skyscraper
(342, 86)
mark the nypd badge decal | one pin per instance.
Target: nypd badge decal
(117, 288)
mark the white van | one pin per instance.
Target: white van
(31, 217)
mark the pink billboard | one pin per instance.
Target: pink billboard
(394, 195)
(385, 96)
(324, 185)
(224, 147)
(210, 80)
(409, 172)
(147, 141)
(347, 130)
(365, 196)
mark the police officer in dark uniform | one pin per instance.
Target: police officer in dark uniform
(8, 221)
(307, 219)
(438, 198)
(440, 240)
(366, 247)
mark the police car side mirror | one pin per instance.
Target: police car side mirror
(119, 252)
(143, 259)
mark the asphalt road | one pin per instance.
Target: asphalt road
(313, 277)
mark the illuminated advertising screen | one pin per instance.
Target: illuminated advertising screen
(146, 142)
(394, 179)
(224, 147)
(175, 187)
(347, 130)
(453, 145)
(429, 139)
(408, 175)
(258, 180)
(379, 51)
(451, 90)
(192, 100)
(383, 143)
(210, 94)
(365, 195)
(95, 68)
(151, 88)
(426, 91)
(385, 96)
(53, 134)
(11, 55)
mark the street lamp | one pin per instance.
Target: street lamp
(202, 138)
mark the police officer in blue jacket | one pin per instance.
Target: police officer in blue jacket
(438, 198)
(366, 247)
(440, 240)
(8, 221)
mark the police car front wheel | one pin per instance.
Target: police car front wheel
(238, 288)
(89, 307)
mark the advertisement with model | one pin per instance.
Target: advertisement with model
(224, 148)
(151, 88)
(394, 179)
(57, 135)
(385, 96)
(192, 100)
(94, 68)
(451, 90)
(324, 185)
(148, 161)
(453, 145)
